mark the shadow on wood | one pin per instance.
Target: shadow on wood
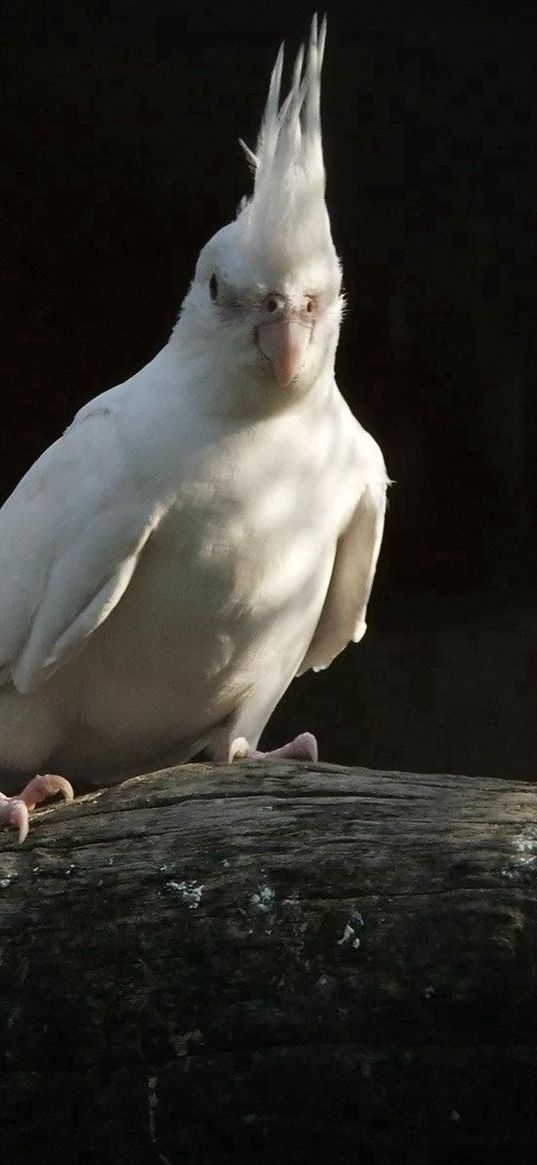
(219, 965)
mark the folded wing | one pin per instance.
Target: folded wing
(343, 615)
(70, 537)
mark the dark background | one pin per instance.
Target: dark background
(120, 159)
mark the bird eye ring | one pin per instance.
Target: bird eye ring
(213, 287)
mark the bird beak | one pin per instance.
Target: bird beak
(284, 342)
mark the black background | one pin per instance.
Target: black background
(120, 159)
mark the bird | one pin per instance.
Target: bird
(208, 529)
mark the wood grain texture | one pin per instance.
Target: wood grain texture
(216, 964)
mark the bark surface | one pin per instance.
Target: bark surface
(232, 964)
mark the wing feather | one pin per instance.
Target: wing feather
(70, 537)
(343, 616)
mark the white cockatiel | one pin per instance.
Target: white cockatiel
(209, 529)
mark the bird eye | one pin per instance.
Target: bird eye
(271, 304)
(213, 287)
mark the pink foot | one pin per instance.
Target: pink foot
(303, 747)
(14, 810)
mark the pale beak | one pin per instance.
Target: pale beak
(284, 342)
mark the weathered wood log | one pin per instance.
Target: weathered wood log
(221, 964)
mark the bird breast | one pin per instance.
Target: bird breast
(228, 589)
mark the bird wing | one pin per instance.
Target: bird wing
(71, 534)
(343, 615)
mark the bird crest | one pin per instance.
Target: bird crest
(288, 204)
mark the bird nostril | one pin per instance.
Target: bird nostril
(271, 304)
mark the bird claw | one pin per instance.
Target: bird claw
(14, 810)
(46, 785)
(304, 747)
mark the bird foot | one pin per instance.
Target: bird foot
(303, 747)
(14, 810)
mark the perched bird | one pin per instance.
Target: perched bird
(209, 529)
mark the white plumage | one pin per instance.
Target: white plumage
(210, 528)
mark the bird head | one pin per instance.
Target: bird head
(267, 286)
